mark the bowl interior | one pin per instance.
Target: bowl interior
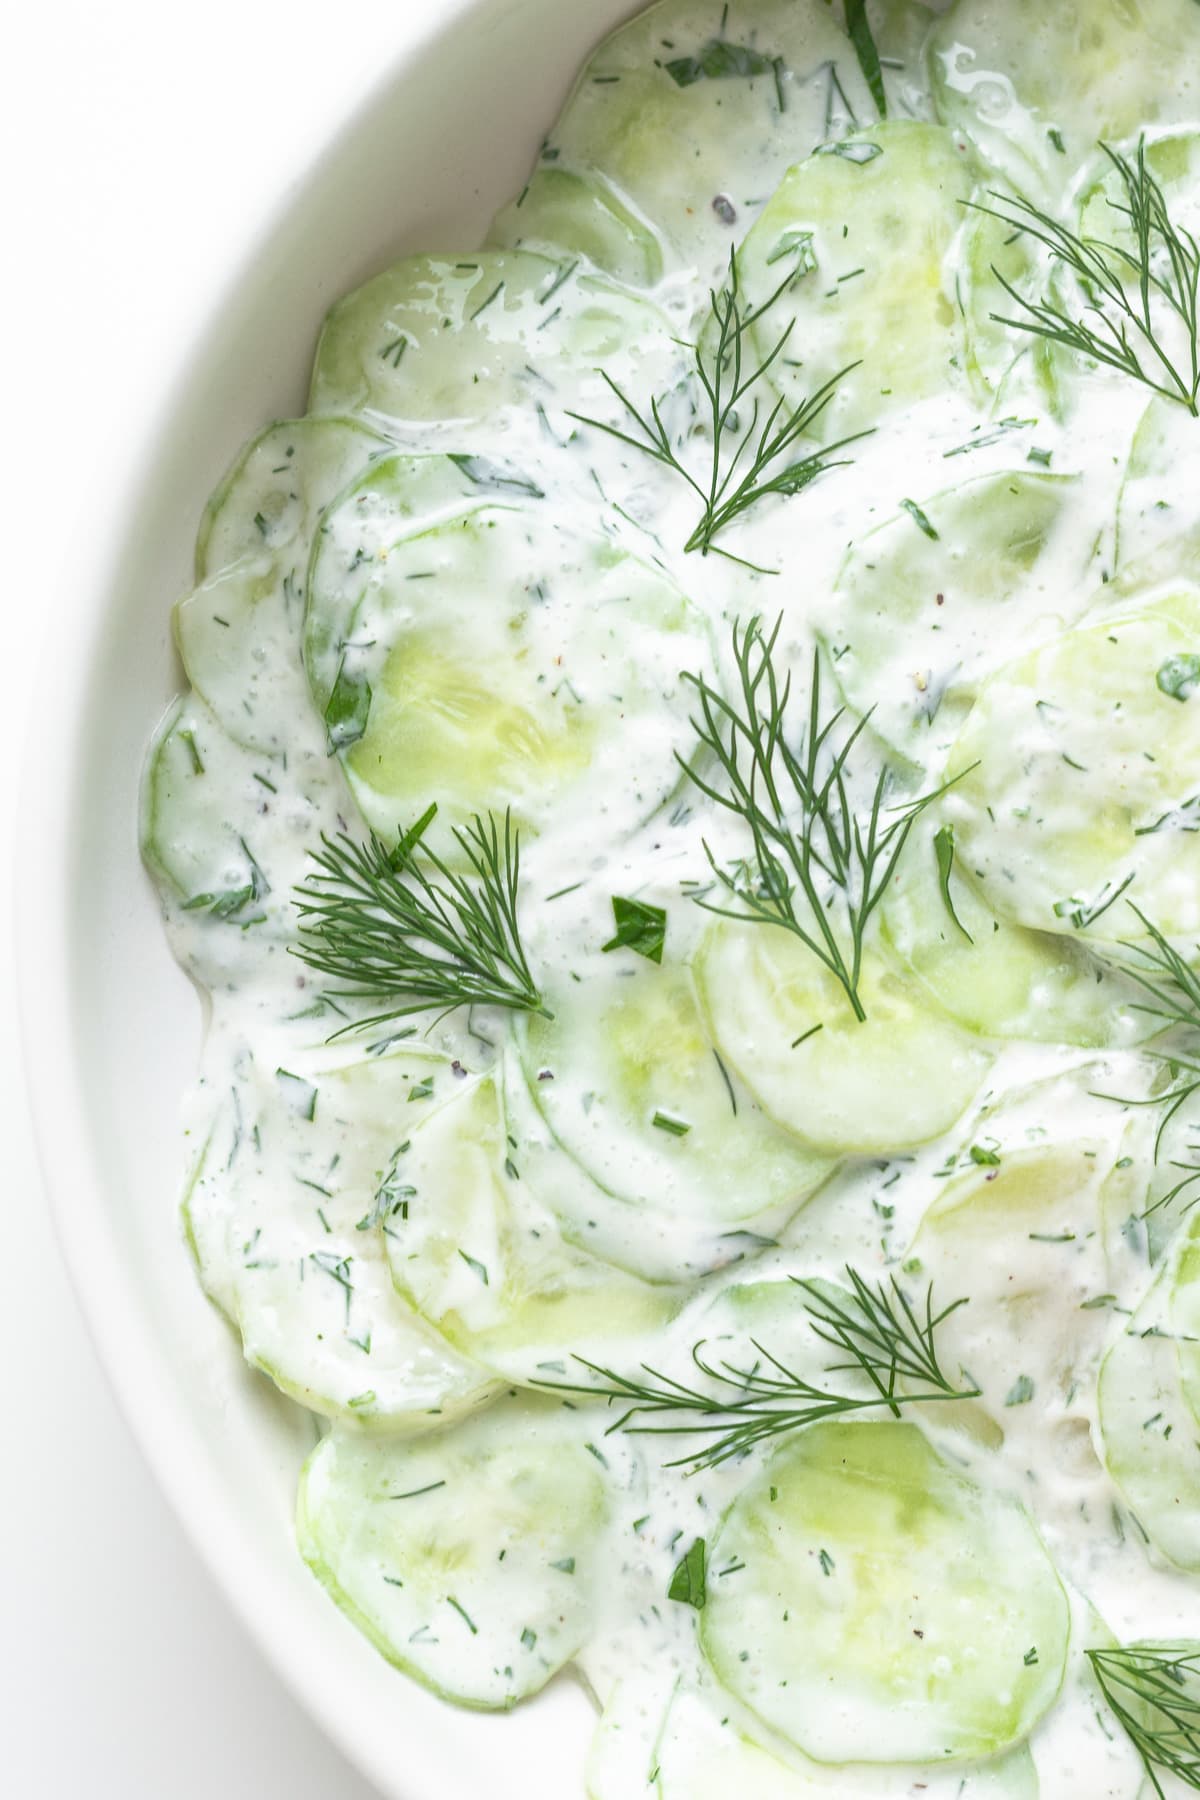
(114, 1029)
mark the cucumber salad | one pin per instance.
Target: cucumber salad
(686, 814)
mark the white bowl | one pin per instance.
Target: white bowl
(113, 1029)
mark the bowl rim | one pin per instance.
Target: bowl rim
(49, 795)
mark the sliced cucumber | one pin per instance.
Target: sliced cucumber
(627, 1079)
(995, 977)
(562, 213)
(988, 250)
(702, 1750)
(313, 1295)
(682, 108)
(1185, 1314)
(196, 785)
(787, 1028)
(919, 619)
(495, 666)
(1036, 86)
(1157, 534)
(481, 1257)
(269, 502)
(909, 1639)
(1146, 1425)
(1079, 772)
(876, 216)
(1024, 1238)
(469, 1558)
(433, 341)
(239, 638)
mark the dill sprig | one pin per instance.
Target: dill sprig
(1172, 989)
(818, 869)
(1154, 1691)
(738, 476)
(398, 926)
(1123, 287)
(886, 1340)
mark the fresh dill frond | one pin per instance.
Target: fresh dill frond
(858, 30)
(886, 1340)
(817, 868)
(745, 465)
(1128, 293)
(398, 928)
(1154, 1692)
(1172, 989)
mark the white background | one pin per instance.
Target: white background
(141, 146)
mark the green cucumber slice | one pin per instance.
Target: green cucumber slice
(480, 1254)
(561, 213)
(269, 502)
(1147, 1427)
(493, 660)
(883, 209)
(1157, 534)
(1023, 1235)
(470, 1557)
(197, 783)
(1079, 773)
(997, 978)
(458, 343)
(312, 1291)
(920, 619)
(1185, 1315)
(786, 1027)
(988, 249)
(238, 633)
(913, 1645)
(682, 108)
(1035, 87)
(626, 1077)
(704, 1750)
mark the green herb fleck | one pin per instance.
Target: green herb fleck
(640, 928)
(689, 1582)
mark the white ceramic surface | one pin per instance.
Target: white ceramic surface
(113, 1036)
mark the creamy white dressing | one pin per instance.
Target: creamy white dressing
(377, 1315)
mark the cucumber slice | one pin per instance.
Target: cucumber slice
(435, 342)
(1086, 775)
(481, 1257)
(1147, 1428)
(919, 619)
(197, 783)
(269, 502)
(494, 663)
(626, 1077)
(883, 209)
(702, 1752)
(681, 108)
(908, 1641)
(993, 349)
(562, 213)
(1024, 1238)
(1035, 87)
(225, 834)
(997, 978)
(469, 1558)
(313, 1295)
(238, 637)
(784, 1024)
(239, 631)
(1185, 1314)
(1157, 534)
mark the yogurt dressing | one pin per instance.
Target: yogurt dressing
(311, 1239)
